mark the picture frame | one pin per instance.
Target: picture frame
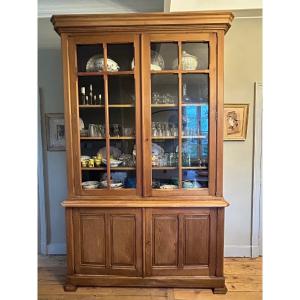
(55, 131)
(235, 122)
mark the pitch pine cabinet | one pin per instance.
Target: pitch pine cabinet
(143, 104)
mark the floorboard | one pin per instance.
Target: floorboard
(243, 280)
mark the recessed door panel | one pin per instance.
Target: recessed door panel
(165, 240)
(123, 240)
(180, 241)
(93, 239)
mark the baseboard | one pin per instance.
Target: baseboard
(229, 251)
(56, 248)
(237, 251)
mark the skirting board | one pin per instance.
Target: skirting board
(229, 251)
(57, 248)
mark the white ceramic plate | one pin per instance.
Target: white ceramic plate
(168, 187)
(84, 157)
(89, 185)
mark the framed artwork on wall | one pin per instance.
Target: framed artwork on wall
(235, 122)
(55, 130)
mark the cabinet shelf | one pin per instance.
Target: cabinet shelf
(164, 137)
(203, 71)
(194, 168)
(112, 169)
(91, 106)
(120, 105)
(92, 138)
(104, 73)
(164, 105)
(194, 136)
(194, 104)
(164, 168)
(122, 138)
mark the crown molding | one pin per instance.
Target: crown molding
(135, 22)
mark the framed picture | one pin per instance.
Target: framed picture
(235, 122)
(55, 130)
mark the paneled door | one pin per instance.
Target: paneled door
(108, 241)
(179, 104)
(180, 241)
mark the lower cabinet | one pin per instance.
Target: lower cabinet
(110, 241)
(180, 242)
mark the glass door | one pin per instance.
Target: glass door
(108, 115)
(179, 95)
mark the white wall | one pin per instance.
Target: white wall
(243, 60)
(51, 87)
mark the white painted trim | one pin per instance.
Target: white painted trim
(57, 248)
(41, 184)
(256, 221)
(237, 251)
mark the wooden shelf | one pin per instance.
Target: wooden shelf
(164, 137)
(120, 105)
(164, 105)
(194, 136)
(92, 138)
(194, 168)
(91, 106)
(164, 168)
(194, 104)
(111, 168)
(203, 71)
(94, 169)
(101, 73)
(122, 168)
(122, 138)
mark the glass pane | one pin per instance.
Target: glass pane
(91, 163)
(164, 56)
(195, 146)
(165, 179)
(90, 58)
(121, 89)
(195, 56)
(164, 118)
(122, 122)
(91, 90)
(194, 88)
(120, 57)
(164, 89)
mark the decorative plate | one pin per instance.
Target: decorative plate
(89, 185)
(157, 62)
(113, 162)
(168, 187)
(115, 152)
(113, 184)
(96, 64)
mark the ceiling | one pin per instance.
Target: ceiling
(47, 8)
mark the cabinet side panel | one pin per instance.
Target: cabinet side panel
(93, 239)
(123, 238)
(165, 240)
(196, 244)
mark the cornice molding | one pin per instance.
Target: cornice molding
(91, 23)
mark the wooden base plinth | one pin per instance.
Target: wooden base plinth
(222, 290)
(68, 287)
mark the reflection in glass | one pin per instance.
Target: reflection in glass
(194, 88)
(122, 121)
(91, 90)
(121, 54)
(192, 179)
(121, 90)
(195, 56)
(165, 179)
(164, 56)
(84, 55)
(92, 122)
(164, 89)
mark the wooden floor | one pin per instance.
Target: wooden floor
(243, 279)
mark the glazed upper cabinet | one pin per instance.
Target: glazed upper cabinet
(107, 115)
(144, 114)
(179, 102)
